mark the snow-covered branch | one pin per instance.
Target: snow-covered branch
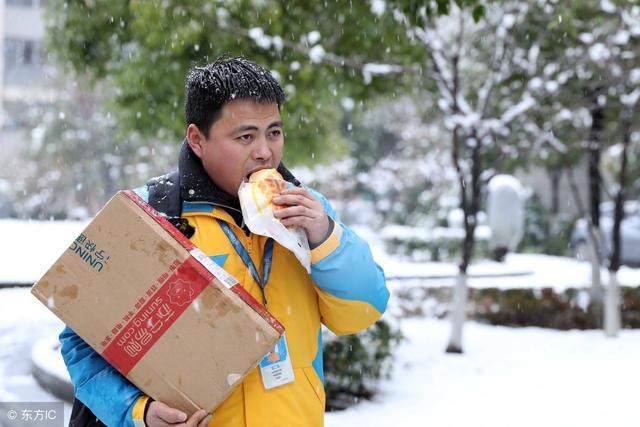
(504, 56)
(518, 109)
(441, 64)
(316, 53)
(543, 137)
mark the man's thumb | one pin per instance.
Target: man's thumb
(170, 415)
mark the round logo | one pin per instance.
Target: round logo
(180, 293)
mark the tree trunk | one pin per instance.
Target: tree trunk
(555, 191)
(618, 215)
(595, 148)
(458, 314)
(596, 292)
(612, 302)
(470, 210)
(593, 242)
(595, 191)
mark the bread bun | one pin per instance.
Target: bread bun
(263, 174)
(266, 184)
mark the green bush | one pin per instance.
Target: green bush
(353, 364)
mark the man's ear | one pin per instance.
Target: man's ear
(195, 138)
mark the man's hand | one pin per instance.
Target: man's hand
(304, 211)
(161, 415)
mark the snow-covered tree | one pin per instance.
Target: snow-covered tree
(471, 64)
(467, 67)
(624, 42)
(589, 52)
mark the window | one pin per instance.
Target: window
(27, 53)
(23, 62)
(21, 53)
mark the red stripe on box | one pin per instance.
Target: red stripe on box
(186, 243)
(157, 315)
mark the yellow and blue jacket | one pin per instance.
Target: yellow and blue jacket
(346, 291)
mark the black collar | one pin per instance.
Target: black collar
(197, 186)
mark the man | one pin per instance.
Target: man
(234, 128)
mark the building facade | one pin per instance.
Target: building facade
(26, 79)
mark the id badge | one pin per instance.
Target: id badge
(275, 367)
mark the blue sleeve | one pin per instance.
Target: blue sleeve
(109, 395)
(142, 192)
(343, 266)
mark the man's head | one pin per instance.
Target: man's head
(232, 111)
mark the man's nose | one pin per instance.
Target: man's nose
(261, 150)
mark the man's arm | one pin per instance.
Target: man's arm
(109, 395)
(352, 291)
(351, 287)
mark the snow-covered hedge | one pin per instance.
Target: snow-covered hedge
(548, 308)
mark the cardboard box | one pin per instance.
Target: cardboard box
(168, 318)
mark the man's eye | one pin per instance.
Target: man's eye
(276, 132)
(245, 138)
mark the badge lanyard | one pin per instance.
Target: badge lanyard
(246, 259)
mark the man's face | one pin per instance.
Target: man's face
(247, 137)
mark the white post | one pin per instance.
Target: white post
(505, 209)
(458, 314)
(612, 319)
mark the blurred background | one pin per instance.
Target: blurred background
(488, 151)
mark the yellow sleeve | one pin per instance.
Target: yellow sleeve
(138, 411)
(351, 287)
(344, 316)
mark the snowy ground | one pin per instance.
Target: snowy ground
(507, 377)
(23, 320)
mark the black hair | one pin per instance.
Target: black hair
(208, 88)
